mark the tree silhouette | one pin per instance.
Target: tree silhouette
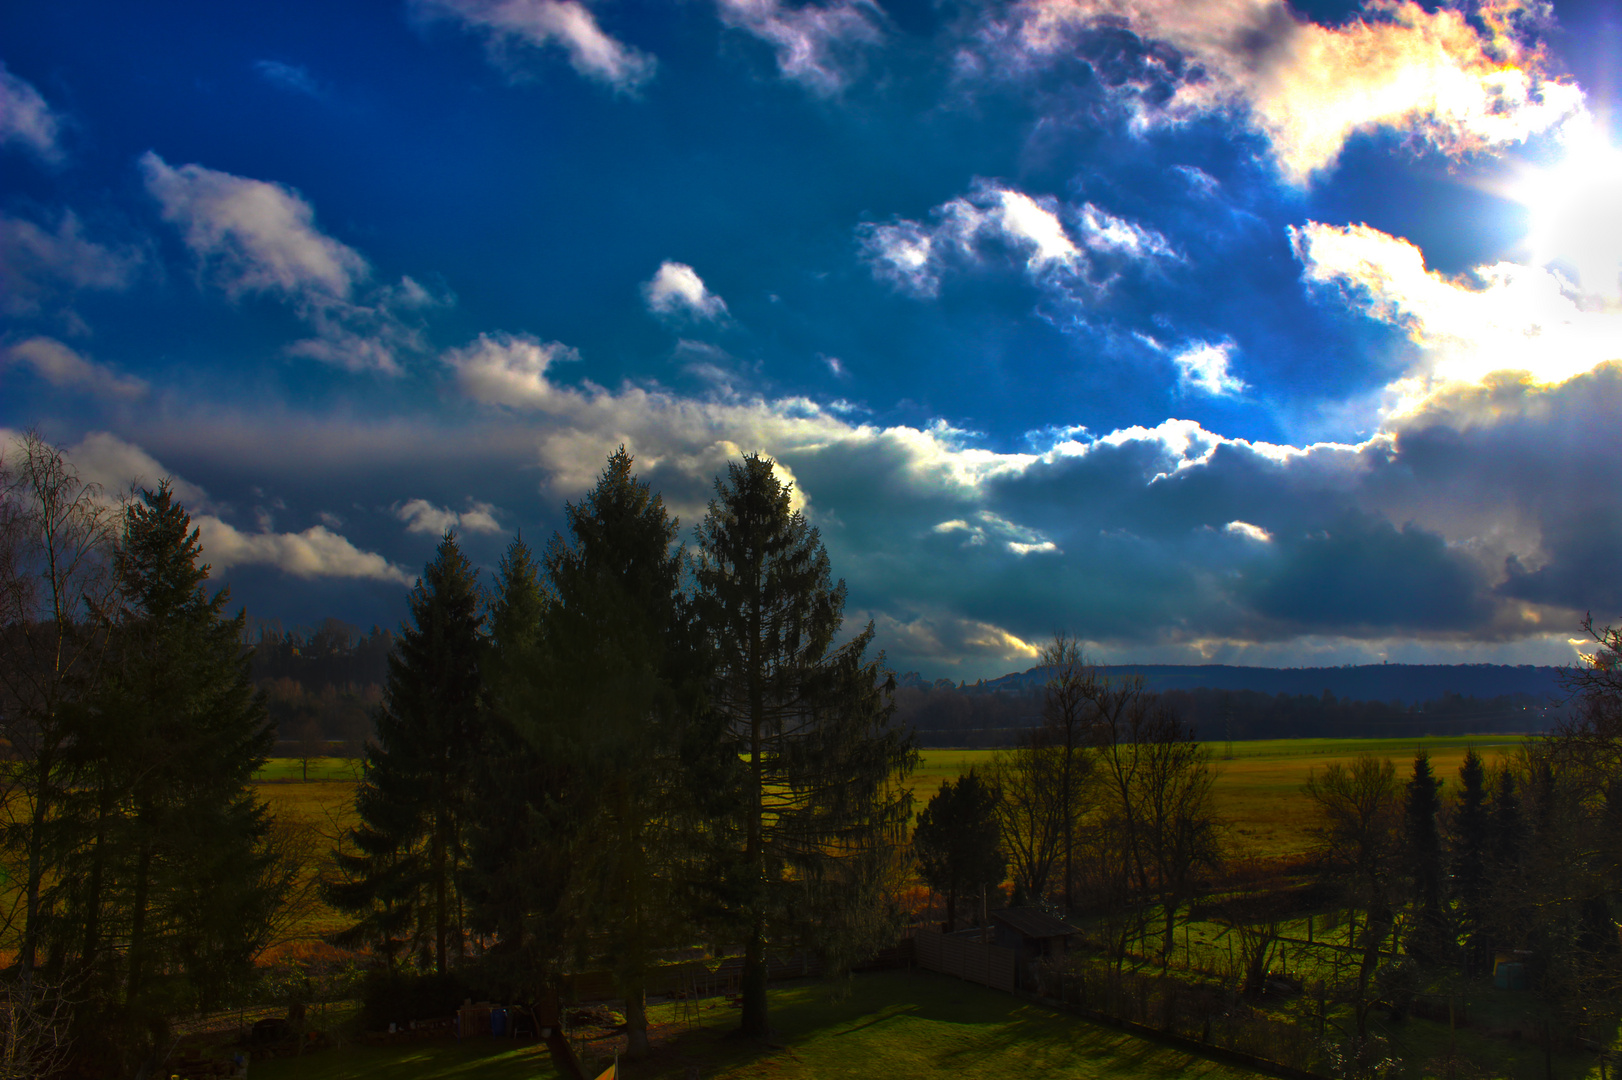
(817, 815)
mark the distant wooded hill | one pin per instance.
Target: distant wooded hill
(1227, 702)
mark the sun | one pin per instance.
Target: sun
(1575, 210)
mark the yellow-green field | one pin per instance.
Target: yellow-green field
(1259, 791)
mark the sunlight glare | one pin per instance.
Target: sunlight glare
(1576, 212)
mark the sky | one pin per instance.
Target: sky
(1233, 331)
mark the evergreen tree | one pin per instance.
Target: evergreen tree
(1424, 850)
(409, 846)
(513, 872)
(619, 664)
(817, 814)
(957, 842)
(171, 887)
(1469, 843)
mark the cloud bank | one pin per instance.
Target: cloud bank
(1309, 88)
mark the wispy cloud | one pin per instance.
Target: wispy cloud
(568, 24)
(913, 255)
(254, 236)
(817, 45)
(37, 262)
(62, 367)
(676, 291)
(27, 119)
(289, 77)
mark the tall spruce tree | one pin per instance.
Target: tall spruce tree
(514, 877)
(817, 814)
(170, 888)
(1469, 838)
(401, 878)
(1423, 843)
(619, 665)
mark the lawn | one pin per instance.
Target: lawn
(897, 1025)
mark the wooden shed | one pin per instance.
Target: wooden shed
(1033, 934)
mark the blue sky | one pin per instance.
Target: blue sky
(1235, 331)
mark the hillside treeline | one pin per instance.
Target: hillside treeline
(947, 715)
(1103, 811)
(321, 686)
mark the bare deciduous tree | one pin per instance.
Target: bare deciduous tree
(56, 582)
(1358, 833)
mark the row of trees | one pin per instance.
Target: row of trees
(148, 876)
(624, 747)
(945, 714)
(1106, 812)
(1105, 809)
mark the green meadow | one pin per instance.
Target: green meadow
(1258, 791)
(895, 1025)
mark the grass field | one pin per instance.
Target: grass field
(1258, 792)
(897, 1025)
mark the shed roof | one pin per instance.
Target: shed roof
(1034, 923)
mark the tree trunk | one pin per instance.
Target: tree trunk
(441, 907)
(36, 863)
(137, 951)
(636, 1020)
(755, 1022)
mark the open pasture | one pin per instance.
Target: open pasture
(1258, 791)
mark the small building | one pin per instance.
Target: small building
(1509, 973)
(1034, 935)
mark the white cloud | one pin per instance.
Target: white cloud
(817, 45)
(62, 367)
(257, 236)
(1500, 317)
(1309, 88)
(1103, 231)
(568, 24)
(676, 291)
(946, 638)
(912, 256)
(903, 253)
(1016, 538)
(317, 552)
(26, 119)
(505, 369)
(1203, 366)
(422, 516)
(36, 261)
(1248, 531)
(115, 464)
